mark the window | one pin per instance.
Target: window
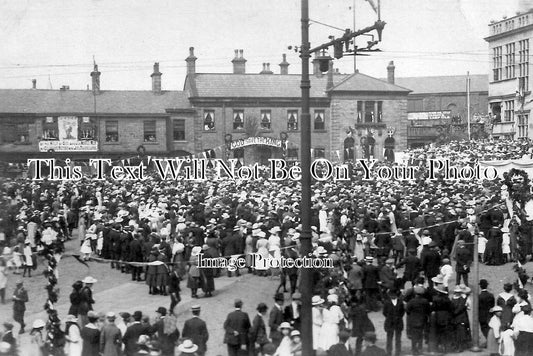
(523, 65)
(238, 119)
(380, 111)
(292, 154)
(50, 129)
(238, 153)
(369, 111)
(522, 125)
(179, 130)
(320, 153)
(149, 131)
(319, 120)
(359, 112)
(510, 61)
(15, 133)
(508, 114)
(497, 63)
(111, 131)
(265, 119)
(209, 120)
(292, 120)
(87, 129)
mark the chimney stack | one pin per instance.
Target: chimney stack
(390, 72)
(239, 63)
(34, 83)
(156, 79)
(266, 69)
(191, 62)
(65, 88)
(329, 84)
(284, 65)
(95, 75)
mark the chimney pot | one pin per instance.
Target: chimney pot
(95, 75)
(329, 84)
(34, 83)
(239, 63)
(390, 72)
(191, 62)
(241, 53)
(156, 79)
(316, 66)
(284, 65)
(236, 53)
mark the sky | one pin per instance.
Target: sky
(55, 41)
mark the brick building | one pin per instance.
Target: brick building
(510, 98)
(249, 116)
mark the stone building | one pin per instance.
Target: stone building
(248, 116)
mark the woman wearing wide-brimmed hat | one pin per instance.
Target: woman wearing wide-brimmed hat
(187, 348)
(86, 299)
(317, 318)
(73, 345)
(493, 337)
(194, 280)
(38, 337)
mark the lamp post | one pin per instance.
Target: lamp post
(306, 281)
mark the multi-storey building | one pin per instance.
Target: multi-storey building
(510, 98)
(248, 116)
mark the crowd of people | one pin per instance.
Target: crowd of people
(400, 247)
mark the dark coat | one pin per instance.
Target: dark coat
(236, 321)
(464, 259)
(136, 251)
(393, 315)
(86, 301)
(274, 321)
(196, 330)
(131, 336)
(373, 350)
(418, 310)
(258, 333)
(288, 316)
(430, 260)
(486, 302)
(412, 267)
(370, 277)
(338, 350)
(360, 321)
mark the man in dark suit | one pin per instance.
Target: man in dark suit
(430, 260)
(237, 325)
(136, 255)
(292, 312)
(131, 336)
(370, 283)
(258, 333)
(486, 302)
(275, 319)
(464, 259)
(418, 310)
(196, 330)
(393, 310)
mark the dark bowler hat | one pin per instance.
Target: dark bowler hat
(162, 310)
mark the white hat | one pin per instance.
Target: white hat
(285, 325)
(187, 346)
(39, 323)
(320, 250)
(5, 347)
(89, 279)
(333, 298)
(274, 229)
(316, 300)
(196, 250)
(110, 315)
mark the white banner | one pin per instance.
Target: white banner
(265, 141)
(429, 115)
(68, 127)
(68, 146)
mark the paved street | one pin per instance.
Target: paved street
(116, 292)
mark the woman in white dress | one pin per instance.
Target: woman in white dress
(73, 345)
(262, 250)
(274, 247)
(332, 316)
(317, 320)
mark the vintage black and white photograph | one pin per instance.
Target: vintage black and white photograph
(266, 178)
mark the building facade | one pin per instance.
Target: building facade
(510, 100)
(248, 116)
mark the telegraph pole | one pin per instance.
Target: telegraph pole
(340, 46)
(306, 282)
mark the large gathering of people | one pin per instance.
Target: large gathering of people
(401, 248)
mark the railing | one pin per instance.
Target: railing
(503, 128)
(422, 131)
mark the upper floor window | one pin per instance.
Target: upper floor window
(497, 63)
(149, 131)
(265, 119)
(50, 129)
(209, 120)
(292, 120)
(111, 131)
(320, 120)
(15, 133)
(510, 60)
(238, 119)
(508, 113)
(178, 130)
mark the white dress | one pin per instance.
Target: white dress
(74, 344)
(329, 332)
(317, 326)
(27, 256)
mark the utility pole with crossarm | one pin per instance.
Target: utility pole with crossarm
(340, 46)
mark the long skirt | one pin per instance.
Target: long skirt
(493, 346)
(523, 344)
(329, 335)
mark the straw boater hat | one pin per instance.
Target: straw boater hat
(71, 319)
(495, 309)
(196, 251)
(89, 280)
(187, 346)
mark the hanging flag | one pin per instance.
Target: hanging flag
(312, 150)
(373, 5)
(338, 153)
(149, 159)
(129, 161)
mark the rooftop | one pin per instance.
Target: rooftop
(444, 84)
(84, 102)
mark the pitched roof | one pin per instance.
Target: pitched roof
(359, 82)
(229, 85)
(83, 101)
(444, 84)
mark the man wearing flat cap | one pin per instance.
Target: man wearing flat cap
(132, 334)
(417, 310)
(196, 330)
(110, 337)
